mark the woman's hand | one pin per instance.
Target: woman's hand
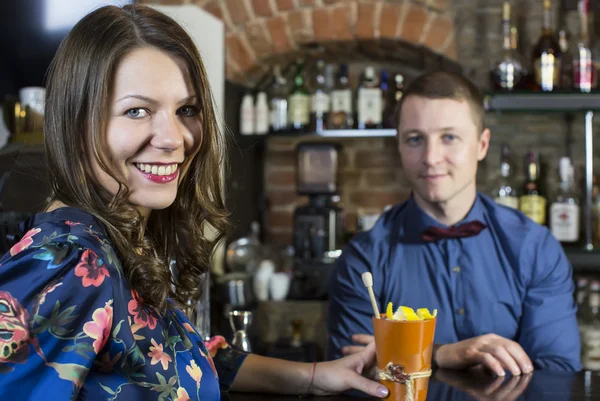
(356, 371)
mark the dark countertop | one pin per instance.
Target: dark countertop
(478, 386)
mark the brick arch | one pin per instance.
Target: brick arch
(259, 29)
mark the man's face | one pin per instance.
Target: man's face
(440, 147)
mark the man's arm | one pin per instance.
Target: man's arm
(350, 310)
(548, 331)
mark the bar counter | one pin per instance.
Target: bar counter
(478, 386)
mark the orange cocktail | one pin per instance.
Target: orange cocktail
(404, 349)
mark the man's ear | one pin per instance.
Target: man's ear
(484, 144)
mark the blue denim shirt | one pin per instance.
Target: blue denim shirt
(512, 279)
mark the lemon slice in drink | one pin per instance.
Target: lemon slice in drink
(424, 314)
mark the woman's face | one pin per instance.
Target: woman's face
(153, 130)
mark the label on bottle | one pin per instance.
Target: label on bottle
(585, 76)
(547, 71)
(247, 118)
(262, 120)
(370, 105)
(341, 101)
(279, 114)
(510, 201)
(299, 106)
(594, 300)
(534, 207)
(564, 222)
(320, 103)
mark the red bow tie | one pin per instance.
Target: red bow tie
(469, 229)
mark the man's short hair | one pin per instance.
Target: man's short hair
(446, 85)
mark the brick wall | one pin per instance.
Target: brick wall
(370, 176)
(260, 30)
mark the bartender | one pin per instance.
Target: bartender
(502, 284)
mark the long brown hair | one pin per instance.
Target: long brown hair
(80, 79)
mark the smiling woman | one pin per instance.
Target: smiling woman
(89, 308)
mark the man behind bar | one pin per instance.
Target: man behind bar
(501, 283)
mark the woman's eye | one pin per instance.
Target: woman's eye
(137, 113)
(188, 111)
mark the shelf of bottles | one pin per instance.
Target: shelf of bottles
(562, 77)
(324, 103)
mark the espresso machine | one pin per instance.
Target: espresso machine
(318, 225)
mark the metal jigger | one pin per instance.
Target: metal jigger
(240, 321)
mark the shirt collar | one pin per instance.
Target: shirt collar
(416, 220)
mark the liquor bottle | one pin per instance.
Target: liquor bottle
(566, 63)
(589, 328)
(261, 121)
(247, 115)
(547, 55)
(341, 115)
(299, 102)
(370, 112)
(508, 72)
(585, 75)
(384, 84)
(564, 211)
(505, 193)
(389, 113)
(279, 102)
(531, 201)
(319, 100)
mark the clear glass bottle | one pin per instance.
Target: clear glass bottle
(565, 210)
(369, 109)
(320, 100)
(585, 75)
(278, 102)
(507, 73)
(505, 192)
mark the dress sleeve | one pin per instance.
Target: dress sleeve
(227, 360)
(55, 316)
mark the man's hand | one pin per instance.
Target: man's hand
(365, 339)
(493, 352)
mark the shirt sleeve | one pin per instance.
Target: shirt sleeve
(350, 311)
(55, 317)
(227, 360)
(549, 333)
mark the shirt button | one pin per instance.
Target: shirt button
(460, 311)
(456, 269)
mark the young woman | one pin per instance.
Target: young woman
(89, 309)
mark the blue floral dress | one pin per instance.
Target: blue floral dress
(72, 329)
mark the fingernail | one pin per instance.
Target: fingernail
(382, 391)
(528, 368)
(516, 372)
(501, 373)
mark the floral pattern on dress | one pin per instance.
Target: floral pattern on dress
(69, 320)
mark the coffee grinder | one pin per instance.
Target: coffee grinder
(318, 225)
